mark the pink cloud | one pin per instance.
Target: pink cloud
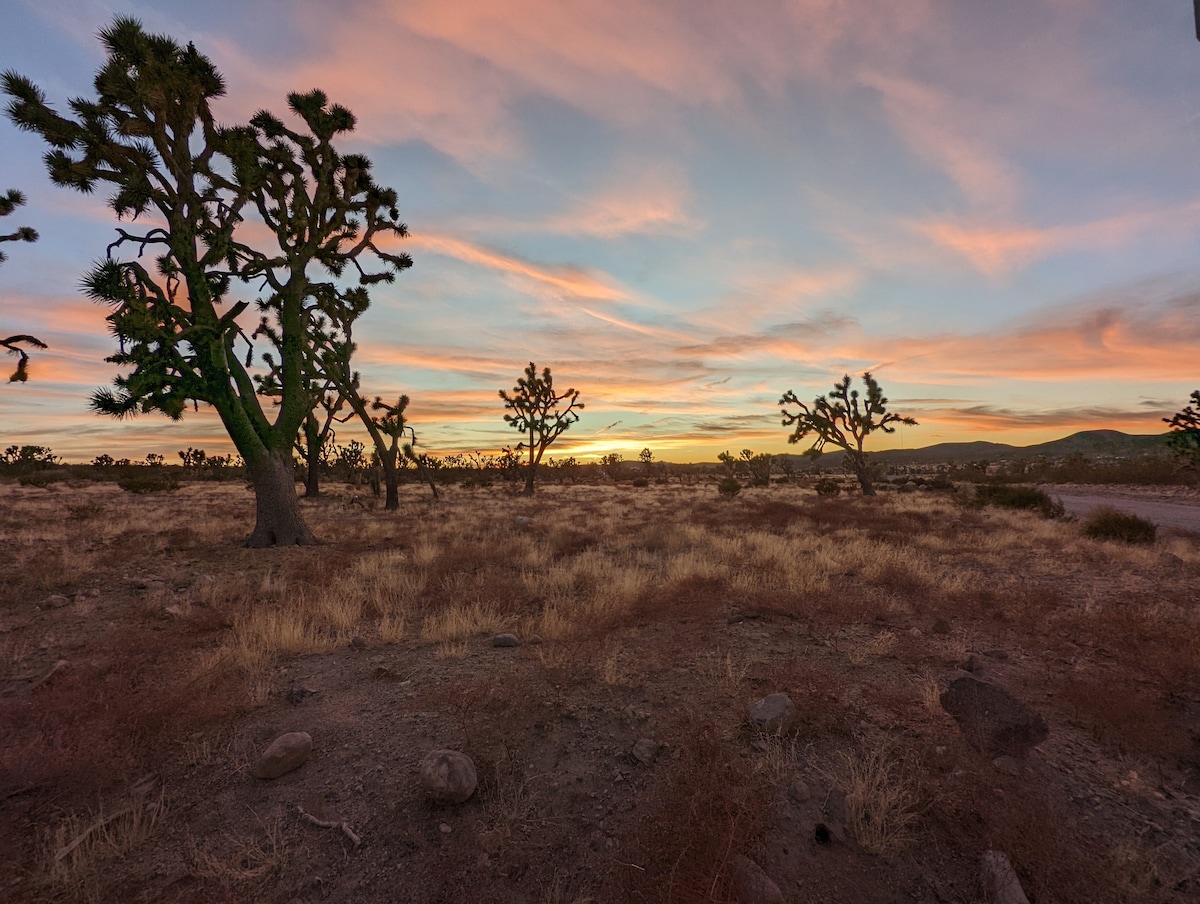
(999, 250)
(570, 282)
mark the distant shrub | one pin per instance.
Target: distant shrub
(1019, 497)
(42, 478)
(827, 486)
(156, 482)
(940, 482)
(641, 482)
(1110, 524)
(729, 487)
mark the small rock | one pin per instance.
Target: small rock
(174, 610)
(297, 695)
(286, 753)
(534, 639)
(357, 643)
(445, 828)
(799, 792)
(448, 776)
(505, 640)
(914, 632)
(971, 664)
(1007, 765)
(751, 885)
(991, 719)
(646, 751)
(55, 601)
(774, 714)
(1000, 882)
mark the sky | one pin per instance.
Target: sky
(687, 207)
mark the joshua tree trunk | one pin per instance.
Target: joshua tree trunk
(312, 439)
(278, 521)
(863, 472)
(533, 463)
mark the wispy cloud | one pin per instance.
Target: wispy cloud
(565, 281)
(997, 250)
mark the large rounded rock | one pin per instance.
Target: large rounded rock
(448, 776)
(1000, 882)
(991, 719)
(774, 714)
(286, 753)
(751, 884)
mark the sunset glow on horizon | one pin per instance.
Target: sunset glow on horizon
(685, 209)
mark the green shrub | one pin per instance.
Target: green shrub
(827, 486)
(42, 478)
(641, 482)
(156, 482)
(1109, 524)
(729, 487)
(1019, 497)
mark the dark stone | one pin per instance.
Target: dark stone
(991, 719)
(286, 753)
(751, 885)
(448, 776)
(774, 714)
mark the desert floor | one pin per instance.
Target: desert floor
(147, 660)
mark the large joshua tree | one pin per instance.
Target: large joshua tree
(10, 201)
(205, 194)
(843, 419)
(539, 413)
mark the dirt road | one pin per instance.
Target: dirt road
(1179, 511)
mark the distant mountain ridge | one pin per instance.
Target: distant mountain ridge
(1089, 443)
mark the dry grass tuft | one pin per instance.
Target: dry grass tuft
(872, 648)
(81, 844)
(881, 798)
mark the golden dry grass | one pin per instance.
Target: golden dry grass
(586, 569)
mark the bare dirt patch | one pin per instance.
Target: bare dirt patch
(146, 661)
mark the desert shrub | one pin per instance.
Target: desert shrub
(729, 487)
(641, 482)
(156, 482)
(1019, 497)
(42, 478)
(827, 486)
(1109, 524)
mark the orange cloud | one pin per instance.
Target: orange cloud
(1137, 343)
(572, 282)
(999, 250)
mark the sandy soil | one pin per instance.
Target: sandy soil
(615, 759)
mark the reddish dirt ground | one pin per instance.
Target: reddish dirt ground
(1092, 636)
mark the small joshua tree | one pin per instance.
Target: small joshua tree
(1184, 438)
(10, 201)
(843, 420)
(538, 411)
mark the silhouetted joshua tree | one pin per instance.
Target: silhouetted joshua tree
(841, 419)
(10, 201)
(538, 411)
(205, 193)
(1184, 439)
